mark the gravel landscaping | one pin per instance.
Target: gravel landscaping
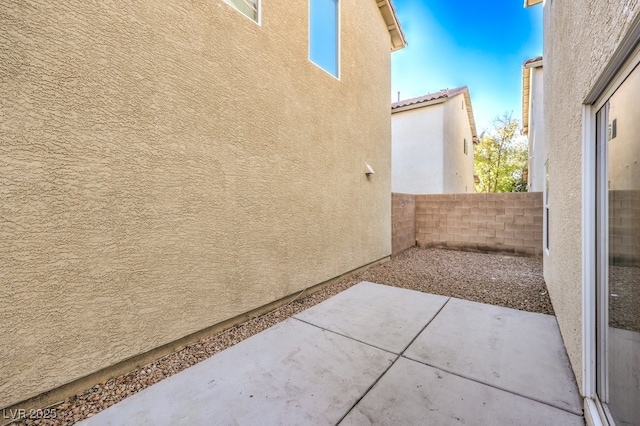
(514, 282)
(624, 297)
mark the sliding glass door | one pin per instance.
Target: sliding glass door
(618, 260)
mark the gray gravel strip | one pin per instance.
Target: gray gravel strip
(513, 282)
(624, 297)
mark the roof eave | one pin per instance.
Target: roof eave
(398, 40)
(529, 3)
(419, 105)
(533, 63)
(526, 90)
(472, 120)
(526, 87)
(444, 97)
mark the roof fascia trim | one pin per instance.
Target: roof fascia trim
(398, 39)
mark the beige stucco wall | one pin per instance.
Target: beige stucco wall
(580, 38)
(457, 166)
(165, 166)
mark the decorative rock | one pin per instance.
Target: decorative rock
(513, 282)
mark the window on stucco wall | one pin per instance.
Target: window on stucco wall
(546, 206)
(251, 8)
(324, 39)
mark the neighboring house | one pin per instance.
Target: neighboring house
(592, 249)
(432, 143)
(533, 122)
(167, 167)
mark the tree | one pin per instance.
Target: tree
(501, 157)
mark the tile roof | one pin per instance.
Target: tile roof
(532, 61)
(442, 94)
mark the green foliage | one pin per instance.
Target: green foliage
(501, 157)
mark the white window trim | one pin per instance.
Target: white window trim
(623, 62)
(259, 12)
(588, 251)
(545, 210)
(339, 47)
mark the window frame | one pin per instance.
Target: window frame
(338, 41)
(257, 20)
(545, 203)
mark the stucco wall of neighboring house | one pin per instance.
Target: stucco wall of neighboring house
(165, 166)
(624, 173)
(417, 152)
(537, 150)
(580, 38)
(623, 152)
(457, 166)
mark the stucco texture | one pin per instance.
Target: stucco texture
(165, 166)
(417, 150)
(428, 148)
(580, 38)
(537, 150)
(457, 166)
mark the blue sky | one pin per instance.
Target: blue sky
(323, 39)
(481, 44)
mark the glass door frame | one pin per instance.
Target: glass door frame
(595, 227)
(602, 251)
(602, 263)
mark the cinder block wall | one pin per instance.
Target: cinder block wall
(403, 219)
(507, 222)
(624, 227)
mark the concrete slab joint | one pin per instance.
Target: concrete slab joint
(376, 354)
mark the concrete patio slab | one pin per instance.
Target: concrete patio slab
(520, 352)
(292, 373)
(411, 393)
(379, 315)
(473, 364)
(624, 375)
